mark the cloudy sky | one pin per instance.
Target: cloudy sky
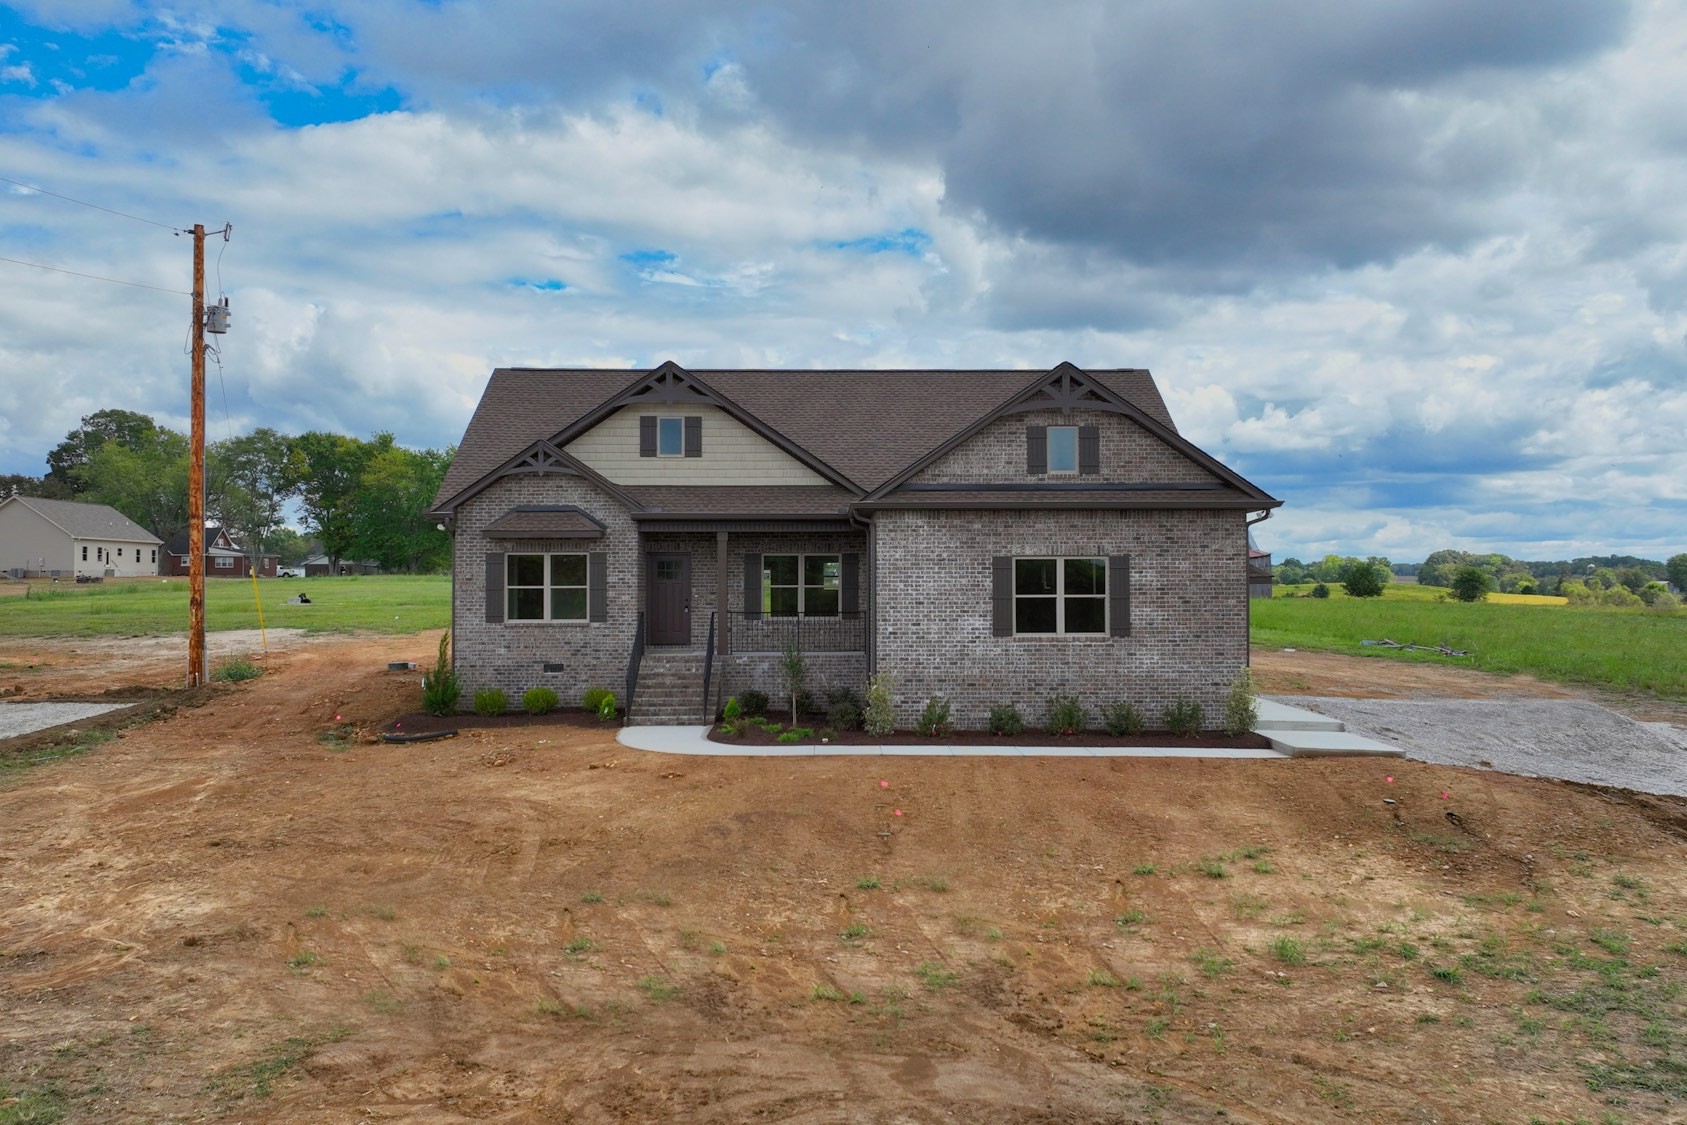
(1418, 267)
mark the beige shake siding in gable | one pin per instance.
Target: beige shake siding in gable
(733, 454)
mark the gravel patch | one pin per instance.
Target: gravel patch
(24, 718)
(1571, 739)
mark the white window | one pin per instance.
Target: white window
(801, 585)
(1063, 449)
(223, 562)
(670, 437)
(1059, 595)
(545, 587)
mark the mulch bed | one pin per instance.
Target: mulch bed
(1209, 740)
(420, 722)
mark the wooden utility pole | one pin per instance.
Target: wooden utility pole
(197, 669)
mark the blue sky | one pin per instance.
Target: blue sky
(1418, 267)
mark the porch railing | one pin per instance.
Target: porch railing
(634, 660)
(844, 632)
(708, 669)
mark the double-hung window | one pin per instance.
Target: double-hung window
(1059, 595)
(670, 437)
(545, 587)
(1063, 449)
(223, 562)
(801, 585)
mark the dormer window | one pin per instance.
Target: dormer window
(1063, 449)
(663, 436)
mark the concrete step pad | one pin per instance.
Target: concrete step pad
(1280, 716)
(1315, 743)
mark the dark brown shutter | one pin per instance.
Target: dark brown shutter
(495, 588)
(693, 436)
(1001, 593)
(1119, 595)
(597, 586)
(647, 436)
(1036, 449)
(850, 599)
(1089, 450)
(752, 587)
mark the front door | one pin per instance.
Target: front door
(668, 599)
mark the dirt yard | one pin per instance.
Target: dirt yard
(243, 912)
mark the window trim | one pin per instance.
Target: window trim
(222, 562)
(547, 587)
(1060, 596)
(802, 587)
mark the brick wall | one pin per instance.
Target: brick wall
(1189, 631)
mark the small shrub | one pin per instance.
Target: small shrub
(1241, 707)
(440, 687)
(592, 699)
(606, 707)
(1471, 584)
(793, 672)
(539, 701)
(881, 712)
(1065, 715)
(491, 701)
(796, 734)
(754, 702)
(1006, 719)
(1320, 591)
(234, 671)
(1364, 579)
(1183, 718)
(732, 712)
(843, 709)
(934, 719)
(1121, 719)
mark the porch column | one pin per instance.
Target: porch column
(723, 635)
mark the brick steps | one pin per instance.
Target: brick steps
(670, 690)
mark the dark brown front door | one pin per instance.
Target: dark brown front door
(668, 589)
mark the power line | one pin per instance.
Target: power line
(95, 206)
(97, 277)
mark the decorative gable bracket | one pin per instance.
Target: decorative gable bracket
(668, 385)
(542, 458)
(1066, 389)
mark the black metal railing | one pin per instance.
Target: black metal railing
(844, 632)
(633, 662)
(708, 668)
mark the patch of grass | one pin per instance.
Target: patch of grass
(391, 604)
(1143, 869)
(867, 883)
(235, 671)
(657, 990)
(1130, 919)
(1211, 868)
(37, 1105)
(1619, 648)
(656, 898)
(1263, 867)
(1101, 978)
(258, 1079)
(1156, 1027)
(578, 947)
(338, 737)
(592, 898)
(1211, 962)
(317, 912)
(934, 883)
(825, 992)
(1248, 906)
(855, 931)
(1448, 973)
(1289, 951)
(380, 1000)
(302, 960)
(934, 976)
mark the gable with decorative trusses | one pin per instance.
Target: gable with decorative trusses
(713, 448)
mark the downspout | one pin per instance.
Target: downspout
(1248, 649)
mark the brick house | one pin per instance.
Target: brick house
(224, 558)
(984, 536)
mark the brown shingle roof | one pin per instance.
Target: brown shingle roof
(1222, 497)
(866, 425)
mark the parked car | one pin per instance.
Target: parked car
(289, 572)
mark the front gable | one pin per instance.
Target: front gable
(715, 448)
(1006, 450)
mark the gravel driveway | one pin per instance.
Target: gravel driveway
(1572, 739)
(22, 718)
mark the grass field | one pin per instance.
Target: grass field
(152, 606)
(1623, 649)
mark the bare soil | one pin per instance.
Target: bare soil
(249, 910)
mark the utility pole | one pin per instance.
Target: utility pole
(197, 669)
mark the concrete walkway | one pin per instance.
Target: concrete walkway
(26, 718)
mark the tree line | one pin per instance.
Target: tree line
(1602, 579)
(360, 499)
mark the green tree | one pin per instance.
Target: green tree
(248, 481)
(145, 479)
(22, 484)
(1471, 584)
(1365, 579)
(1677, 570)
(289, 546)
(389, 510)
(80, 445)
(327, 470)
(1291, 572)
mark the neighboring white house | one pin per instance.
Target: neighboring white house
(62, 538)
